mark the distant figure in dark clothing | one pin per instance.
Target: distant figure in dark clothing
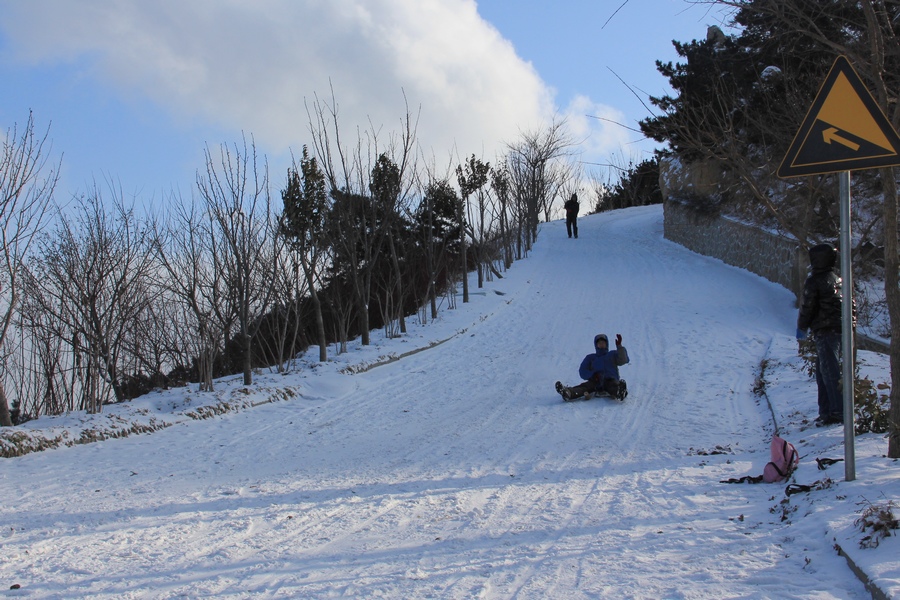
(820, 311)
(572, 215)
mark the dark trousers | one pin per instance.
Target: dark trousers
(609, 385)
(828, 374)
(572, 226)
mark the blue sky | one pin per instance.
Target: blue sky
(132, 92)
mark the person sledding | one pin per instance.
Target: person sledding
(600, 370)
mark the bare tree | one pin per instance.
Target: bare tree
(236, 196)
(285, 325)
(532, 165)
(25, 194)
(348, 221)
(360, 227)
(503, 215)
(341, 164)
(93, 277)
(391, 179)
(41, 360)
(186, 248)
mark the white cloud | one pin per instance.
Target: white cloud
(601, 130)
(249, 65)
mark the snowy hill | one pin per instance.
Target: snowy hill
(457, 471)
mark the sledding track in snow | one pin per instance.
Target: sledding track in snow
(458, 472)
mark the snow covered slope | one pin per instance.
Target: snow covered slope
(457, 472)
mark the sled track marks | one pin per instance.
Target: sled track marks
(457, 472)
(511, 492)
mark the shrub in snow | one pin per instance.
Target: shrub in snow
(880, 519)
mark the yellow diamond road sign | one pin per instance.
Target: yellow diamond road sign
(844, 130)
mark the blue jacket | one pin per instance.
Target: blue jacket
(603, 363)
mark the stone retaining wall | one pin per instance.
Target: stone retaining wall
(775, 257)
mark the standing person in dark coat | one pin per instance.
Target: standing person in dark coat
(820, 312)
(571, 207)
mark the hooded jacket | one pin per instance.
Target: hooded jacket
(820, 308)
(603, 363)
(571, 207)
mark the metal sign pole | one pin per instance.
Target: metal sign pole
(847, 328)
(844, 130)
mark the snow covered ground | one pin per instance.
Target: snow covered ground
(457, 472)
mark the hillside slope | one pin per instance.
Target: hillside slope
(457, 472)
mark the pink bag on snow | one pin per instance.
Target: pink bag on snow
(784, 460)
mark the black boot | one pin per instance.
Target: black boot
(565, 392)
(561, 389)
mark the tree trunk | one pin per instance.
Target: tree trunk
(362, 310)
(317, 309)
(248, 363)
(892, 295)
(464, 260)
(5, 418)
(398, 285)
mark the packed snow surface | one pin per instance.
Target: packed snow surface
(457, 471)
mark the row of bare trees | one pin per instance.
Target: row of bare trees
(102, 304)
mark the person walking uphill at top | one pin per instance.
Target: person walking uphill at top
(571, 207)
(600, 371)
(820, 311)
